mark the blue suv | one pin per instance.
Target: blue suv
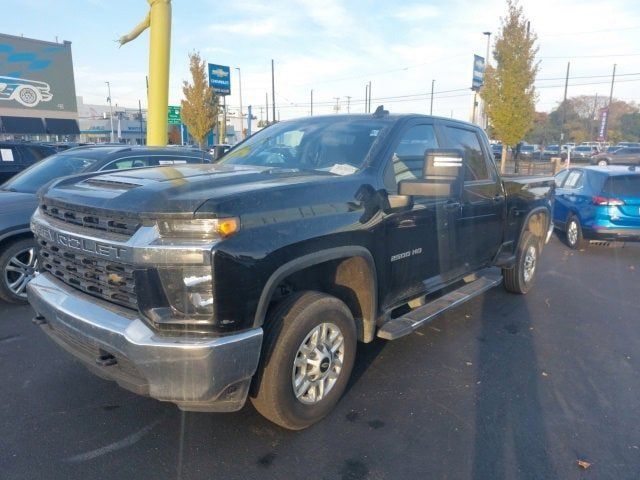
(598, 203)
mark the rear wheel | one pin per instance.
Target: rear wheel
(575, 240)
(603, 163)
(307, 358)
(521, 277)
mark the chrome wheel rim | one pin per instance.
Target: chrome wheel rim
(318, 363)
(20, 269)
(602, 163)
(529, 263)
(572, 232)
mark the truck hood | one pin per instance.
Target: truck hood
(183, 189)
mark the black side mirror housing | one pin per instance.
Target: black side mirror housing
(441, 174)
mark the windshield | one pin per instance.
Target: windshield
(336, 145)
(527, 148)
(583, 149)
(56, 166)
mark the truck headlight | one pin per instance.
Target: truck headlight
(189, 290)
(198, 228)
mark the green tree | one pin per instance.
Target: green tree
(200, 105)
(508, 91)
(630, 127)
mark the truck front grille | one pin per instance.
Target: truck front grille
(112, 224)
(106, 279)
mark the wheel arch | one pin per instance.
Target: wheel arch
(537, 221)
(10, 237)
(347, 273)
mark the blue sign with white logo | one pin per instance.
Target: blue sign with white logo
(478, 72)
(220, 79)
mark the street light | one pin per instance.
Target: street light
(240, 92)
(486, 63)
(110, 110)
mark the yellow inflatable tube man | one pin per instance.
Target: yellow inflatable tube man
(158, 20)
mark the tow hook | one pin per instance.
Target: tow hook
(39, 320)
(106, 360)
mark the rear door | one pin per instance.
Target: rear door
(480, 227)
(570, 197)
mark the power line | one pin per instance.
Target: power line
(565, 57)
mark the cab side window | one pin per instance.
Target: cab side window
(475, 163)
(408, 158)
(128, 162)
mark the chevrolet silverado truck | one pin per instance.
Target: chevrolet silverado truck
(256, 276)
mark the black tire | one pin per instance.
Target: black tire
(286, 329)
(574, 241)
(10, 251)
(521, 278)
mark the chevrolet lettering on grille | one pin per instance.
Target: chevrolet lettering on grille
(79, 243)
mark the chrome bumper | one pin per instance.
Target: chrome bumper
(199, 374)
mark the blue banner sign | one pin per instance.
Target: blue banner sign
(220, 79)
(478, 72)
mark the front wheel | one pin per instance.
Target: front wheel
(521, 277)
(308, 354)
(18, 264)
(603, 163)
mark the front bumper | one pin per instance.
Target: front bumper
(196, 373)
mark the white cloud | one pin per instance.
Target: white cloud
(416, 13)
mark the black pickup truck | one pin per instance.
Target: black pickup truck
(255, 277)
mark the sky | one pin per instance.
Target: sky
(335, 47)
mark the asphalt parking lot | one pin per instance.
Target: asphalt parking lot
(505, 386)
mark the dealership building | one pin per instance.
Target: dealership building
(37, 90)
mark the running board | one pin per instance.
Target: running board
(401, 326)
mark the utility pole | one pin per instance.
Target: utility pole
(348, 103)
(613, 79)
(369, 96)
(366, 98)
(249, 121)
(111, 109)
(564, 105)
(312, 102)
(140, 115)
(240, 92)
(273, 91)
(431, 106)
(337, 107)
(266, 105)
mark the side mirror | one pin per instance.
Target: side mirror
(441, 174)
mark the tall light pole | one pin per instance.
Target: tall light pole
(433, 82)
(486, 64)
(348, 103)
(240, 91)
(110, 111)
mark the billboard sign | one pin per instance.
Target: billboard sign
(36, 75)
(604, 118)
(478, 73)
(220, 79)
(174, 115)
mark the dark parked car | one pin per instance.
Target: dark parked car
(18, 200)
(16, 156)
(529, 152)
(583, 153)
(599, 203)
(552, 151)
(620, 156)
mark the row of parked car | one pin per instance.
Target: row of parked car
(18, 200)
(624, 153)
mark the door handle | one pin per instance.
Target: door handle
(452, 205)
(407, 222)
(498, 198)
